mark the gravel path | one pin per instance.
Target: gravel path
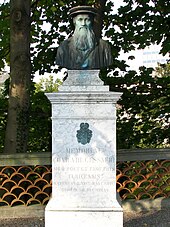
(131, 219)
(155, 218)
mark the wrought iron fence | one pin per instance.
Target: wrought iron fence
(26, 178)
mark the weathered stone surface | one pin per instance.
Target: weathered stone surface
(84, 158)
(83, 80)
(86, 218)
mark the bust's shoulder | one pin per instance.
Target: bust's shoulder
(103, 42)
(65, 43)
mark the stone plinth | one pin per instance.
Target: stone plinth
(83, 154)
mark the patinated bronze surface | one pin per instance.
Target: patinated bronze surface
(83, 50)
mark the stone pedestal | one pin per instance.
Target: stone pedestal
(83, 154)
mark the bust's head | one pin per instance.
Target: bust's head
(83, 50)
(83, 36)
(82, 20)
(82, 14)
(82, 10)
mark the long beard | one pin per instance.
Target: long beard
(84, 38)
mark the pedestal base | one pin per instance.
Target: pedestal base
(83, 218)
(83, 154)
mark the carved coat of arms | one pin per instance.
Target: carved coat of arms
(84, 134)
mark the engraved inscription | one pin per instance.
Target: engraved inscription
(85, 169)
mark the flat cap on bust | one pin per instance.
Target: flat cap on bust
(82, 9)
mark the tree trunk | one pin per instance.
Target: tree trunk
(20, 73)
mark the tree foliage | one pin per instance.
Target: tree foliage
(136, 23)
(142, 23)
(143, 114)
(4, 34)
(39, 137)
(48, 84)
(3, 112)
(40, 115)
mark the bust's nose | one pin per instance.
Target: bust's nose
(83, 22)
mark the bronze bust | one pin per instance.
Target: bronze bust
(83, 50)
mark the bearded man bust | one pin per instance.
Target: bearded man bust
(83, 50)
